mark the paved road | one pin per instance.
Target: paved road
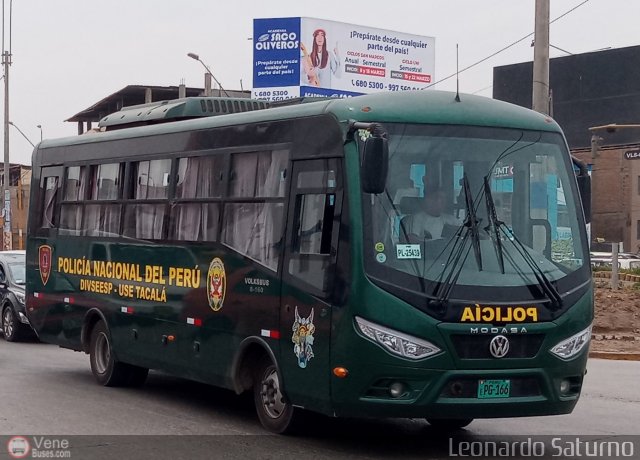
(45, 390)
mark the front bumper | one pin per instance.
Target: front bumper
(453, 393)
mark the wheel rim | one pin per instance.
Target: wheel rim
(272, 399)
(7, 323)
(103, 353)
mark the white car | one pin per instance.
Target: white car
(625, 260)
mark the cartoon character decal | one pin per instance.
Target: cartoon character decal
(303, 329)
(216, 284)
(44, 262)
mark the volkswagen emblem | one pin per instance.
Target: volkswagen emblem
(499, 346)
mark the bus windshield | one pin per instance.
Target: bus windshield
(475, 206)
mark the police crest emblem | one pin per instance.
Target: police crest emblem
(44, 262)
(216, 284)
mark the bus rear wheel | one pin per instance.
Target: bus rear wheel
(105, 368)
(274, 410)
(449, 424)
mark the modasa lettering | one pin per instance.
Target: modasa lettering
(480, 314)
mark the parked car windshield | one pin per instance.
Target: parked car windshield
(17, 273)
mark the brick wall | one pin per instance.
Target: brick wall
(615, 195)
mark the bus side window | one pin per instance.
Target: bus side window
(198, 178)
(145, 219)
(311, 254)
(101, 215)
(254, 213)
(75, 191)
(315, 225)
(314, 228)
(51, 187)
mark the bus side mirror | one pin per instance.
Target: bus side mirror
(584, 187)
(375, 164)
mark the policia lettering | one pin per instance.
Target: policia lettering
(122, 271)
(478, 314)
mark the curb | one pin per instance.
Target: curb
(615, 355)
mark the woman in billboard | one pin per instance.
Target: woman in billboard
(319, 64)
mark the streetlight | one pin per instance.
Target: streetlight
(40, 128)
(197, 58)
(23, 134)
(596, 141)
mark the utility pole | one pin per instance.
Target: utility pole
(7, 243)
(540, 99)
(7, 239)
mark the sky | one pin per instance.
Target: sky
(69, 54)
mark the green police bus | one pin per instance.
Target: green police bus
(275, 250)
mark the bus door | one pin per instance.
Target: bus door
(308, 278)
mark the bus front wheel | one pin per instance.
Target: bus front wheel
(274, 410)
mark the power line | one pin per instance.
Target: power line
(505, 48)
(482, 89)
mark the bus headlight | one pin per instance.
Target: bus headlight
(570, 347)
(396, 342)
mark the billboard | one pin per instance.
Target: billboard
(295, 57)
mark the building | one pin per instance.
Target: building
(141, 94)
(19, 187)
(594, 90)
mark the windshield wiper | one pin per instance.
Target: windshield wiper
(545, 284)
(471, 220)
(494, 223)
(457, 254)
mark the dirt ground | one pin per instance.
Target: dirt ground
(617, 317)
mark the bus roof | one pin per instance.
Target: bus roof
(177, 109)
(430, 106)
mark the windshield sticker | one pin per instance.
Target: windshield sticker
(479, 314)
(302, 338)
(216, 284)
(381, 257)
(379, 247)
(408, 251)
(44, 262)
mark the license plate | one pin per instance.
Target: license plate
(408, 251)
(488, 389)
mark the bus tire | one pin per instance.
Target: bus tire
(105, 368)
(275, 412)
(449, 424)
